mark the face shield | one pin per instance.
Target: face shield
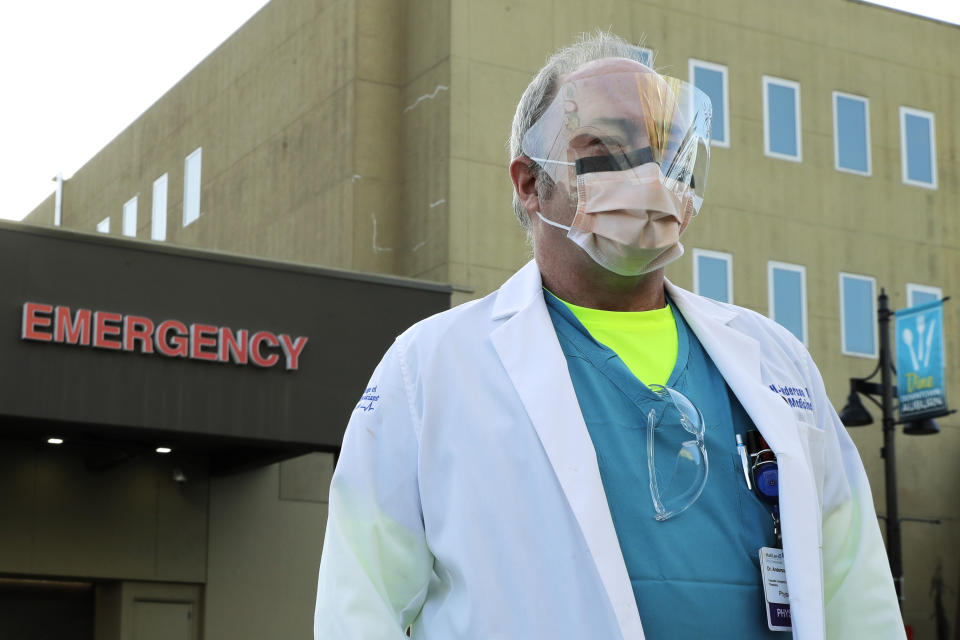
(646, 128)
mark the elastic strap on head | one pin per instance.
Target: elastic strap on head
(549, 161)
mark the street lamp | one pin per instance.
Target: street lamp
(854, 414)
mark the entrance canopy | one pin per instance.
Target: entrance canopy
(118, 345)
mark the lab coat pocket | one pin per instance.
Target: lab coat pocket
(756, 524)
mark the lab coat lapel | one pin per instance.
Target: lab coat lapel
(738, 357)
(527, 345)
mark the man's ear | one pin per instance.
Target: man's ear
(525, 183)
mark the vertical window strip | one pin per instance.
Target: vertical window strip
(104, 225)
(129, 223)
(782, 137)
(918, 156)
(713, 274)
(858, 315)
(711, 78)
(787, 297)
(158, 214)
(191, 186)
(851, 134)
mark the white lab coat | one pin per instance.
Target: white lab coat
(467, 498)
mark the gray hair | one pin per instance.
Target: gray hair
(542, 89)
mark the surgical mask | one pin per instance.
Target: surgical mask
(628, 221)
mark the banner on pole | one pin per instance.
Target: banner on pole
(921, 388)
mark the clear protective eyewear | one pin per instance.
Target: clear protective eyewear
(676, 453)
(626, 121)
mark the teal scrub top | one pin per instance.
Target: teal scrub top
(696, 575)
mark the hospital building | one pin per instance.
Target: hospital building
(194, 314)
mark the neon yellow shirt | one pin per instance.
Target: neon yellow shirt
(646, 341)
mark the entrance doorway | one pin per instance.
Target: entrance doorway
(162, 620)
(46, 609)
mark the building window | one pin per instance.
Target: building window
(921, 294)
(713, 274)
(191, 186)
(851, 133)
(781, 119)
(158, 215)
(104, 225)
(712, 80)
(787, 297)
(858, 315)
(917, 149)
(130, 218)
(646, 56)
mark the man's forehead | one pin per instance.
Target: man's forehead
(614, 96)
(614, 88)
(604, 66)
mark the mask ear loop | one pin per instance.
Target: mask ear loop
(552, 223)
(541, 162)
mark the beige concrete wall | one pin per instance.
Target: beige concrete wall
(266, 534)
(129, 522)
(424, 240)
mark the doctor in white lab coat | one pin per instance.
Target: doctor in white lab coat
(467, 500)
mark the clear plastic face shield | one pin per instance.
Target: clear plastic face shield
(623, 140)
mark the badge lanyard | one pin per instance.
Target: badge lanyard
(772, 567)
(765, 477)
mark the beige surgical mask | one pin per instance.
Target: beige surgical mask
(628, 221)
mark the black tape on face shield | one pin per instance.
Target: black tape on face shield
(618, 162)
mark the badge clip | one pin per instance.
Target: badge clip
(765, 477)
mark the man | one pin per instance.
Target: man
(559, 459)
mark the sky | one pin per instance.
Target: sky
(946, 10)
(77, 72)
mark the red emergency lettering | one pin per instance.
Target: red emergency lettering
(36, 317)
(233, 347)
(258, 358)
(75, 330)
(172, 338)
(203, 336)
(138, 328)
(292, 350)
(174, 346)
(106, 326)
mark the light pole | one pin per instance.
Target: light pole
(855, 415)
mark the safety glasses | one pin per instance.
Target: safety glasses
(676, 453)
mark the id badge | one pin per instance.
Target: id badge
(774, 576)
